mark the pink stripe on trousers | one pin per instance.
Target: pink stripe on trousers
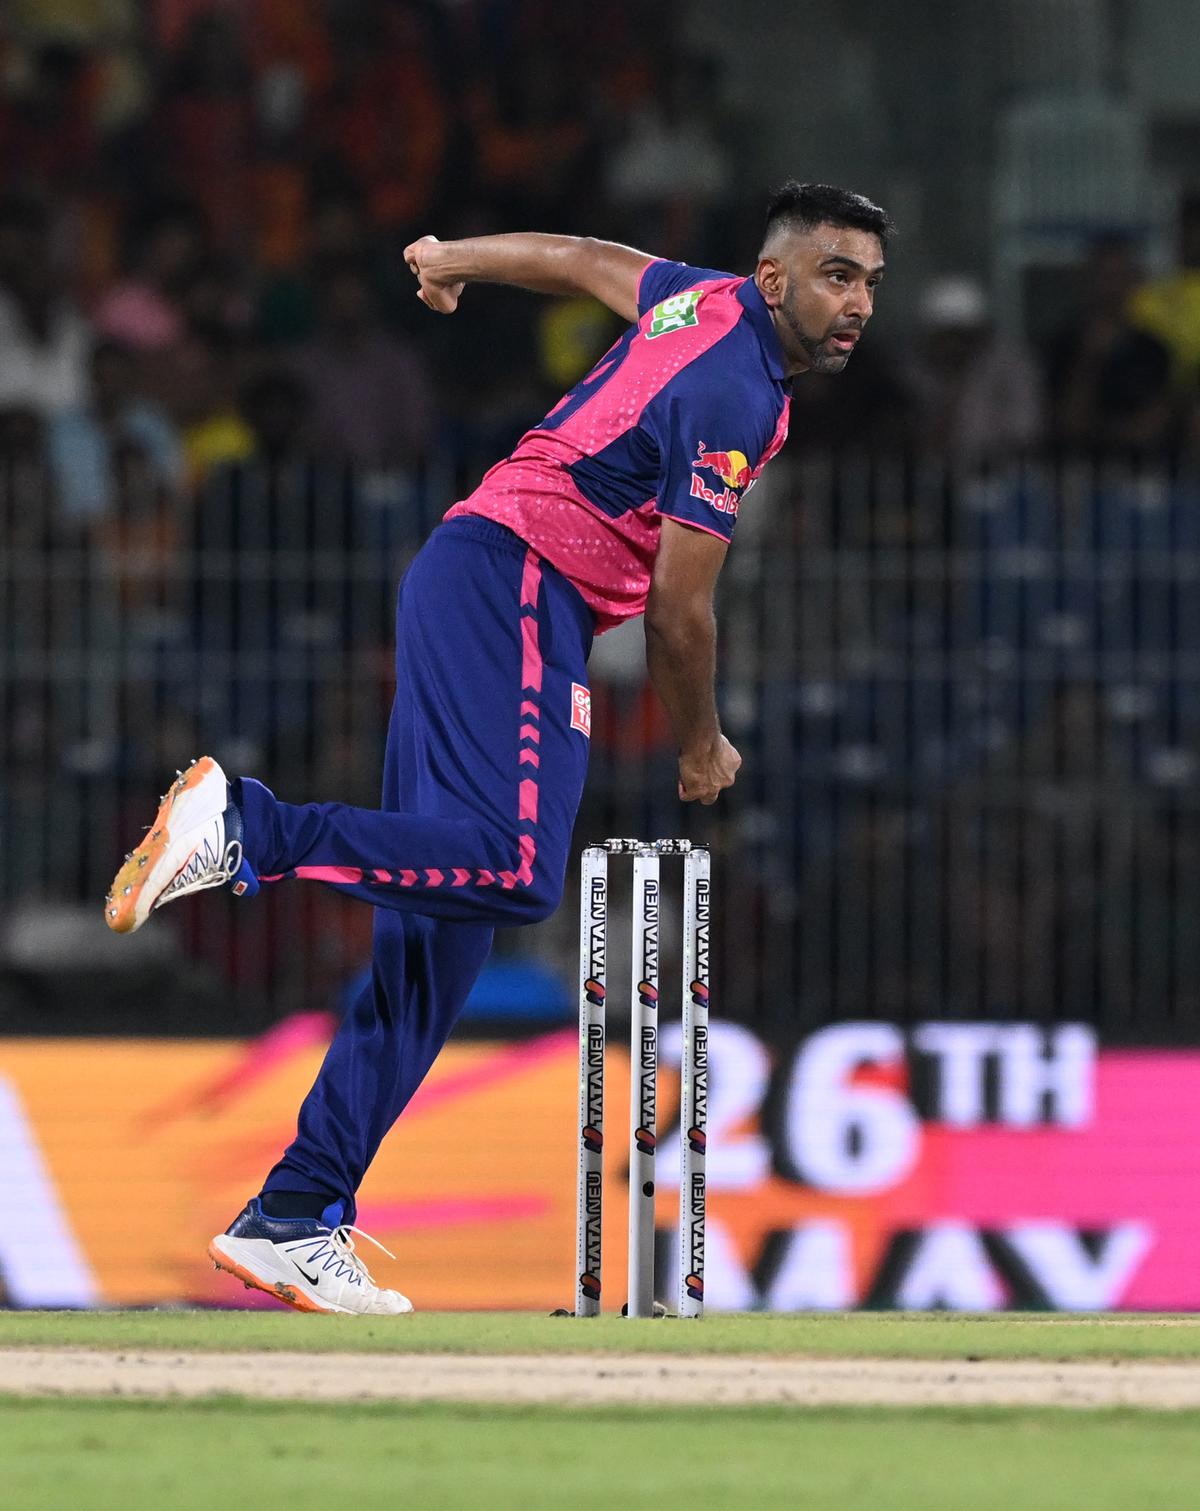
(527, 788)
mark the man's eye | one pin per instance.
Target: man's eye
(838, 277)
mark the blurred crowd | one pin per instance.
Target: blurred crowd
(1116, 374)
(203, 205)
(215, 377)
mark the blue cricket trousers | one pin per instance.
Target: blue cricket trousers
(482, 780)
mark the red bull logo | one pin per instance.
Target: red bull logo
(732, 467)
(729, 467)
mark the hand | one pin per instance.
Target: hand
(704, 774)
(422, 257)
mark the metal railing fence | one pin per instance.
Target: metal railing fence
(968, 707)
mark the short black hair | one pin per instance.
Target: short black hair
(804, 207)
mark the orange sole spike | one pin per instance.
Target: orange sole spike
(279, 1290)
(120, 909)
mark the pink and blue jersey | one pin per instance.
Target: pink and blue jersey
(488, 743)
(677, 419)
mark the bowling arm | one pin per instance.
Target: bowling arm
(529, 260)
(681, 655)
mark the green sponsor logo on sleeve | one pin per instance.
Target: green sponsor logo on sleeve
(674, 314)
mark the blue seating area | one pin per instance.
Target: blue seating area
(1062, 603)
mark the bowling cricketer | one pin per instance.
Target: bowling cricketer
(621, 501)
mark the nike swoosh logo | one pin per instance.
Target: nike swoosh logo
(312, 1279)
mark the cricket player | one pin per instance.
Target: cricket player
(622, 501)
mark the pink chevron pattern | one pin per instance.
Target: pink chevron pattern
(346, 875)
(529, 733)
(531, 654)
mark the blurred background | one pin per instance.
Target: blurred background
(957, 964)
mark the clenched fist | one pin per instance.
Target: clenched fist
(704, 774)
(424, 257)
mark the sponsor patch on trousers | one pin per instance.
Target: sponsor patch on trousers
(581, 709)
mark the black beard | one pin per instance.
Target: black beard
(819, 360)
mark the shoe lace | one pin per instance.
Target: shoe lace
(204, 868)
(343, 1247)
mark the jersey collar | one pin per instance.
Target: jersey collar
(764, 328)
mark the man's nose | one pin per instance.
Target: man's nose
(858, 304)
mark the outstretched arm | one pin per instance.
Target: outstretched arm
(681, 655)
(530, 260)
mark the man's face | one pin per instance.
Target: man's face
(820, 286)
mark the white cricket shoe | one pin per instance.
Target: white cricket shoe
(195, 842)
(303, 1262)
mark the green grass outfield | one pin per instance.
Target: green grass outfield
(92, 1456)
(890, 1335)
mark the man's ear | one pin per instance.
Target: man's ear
(771, 280)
